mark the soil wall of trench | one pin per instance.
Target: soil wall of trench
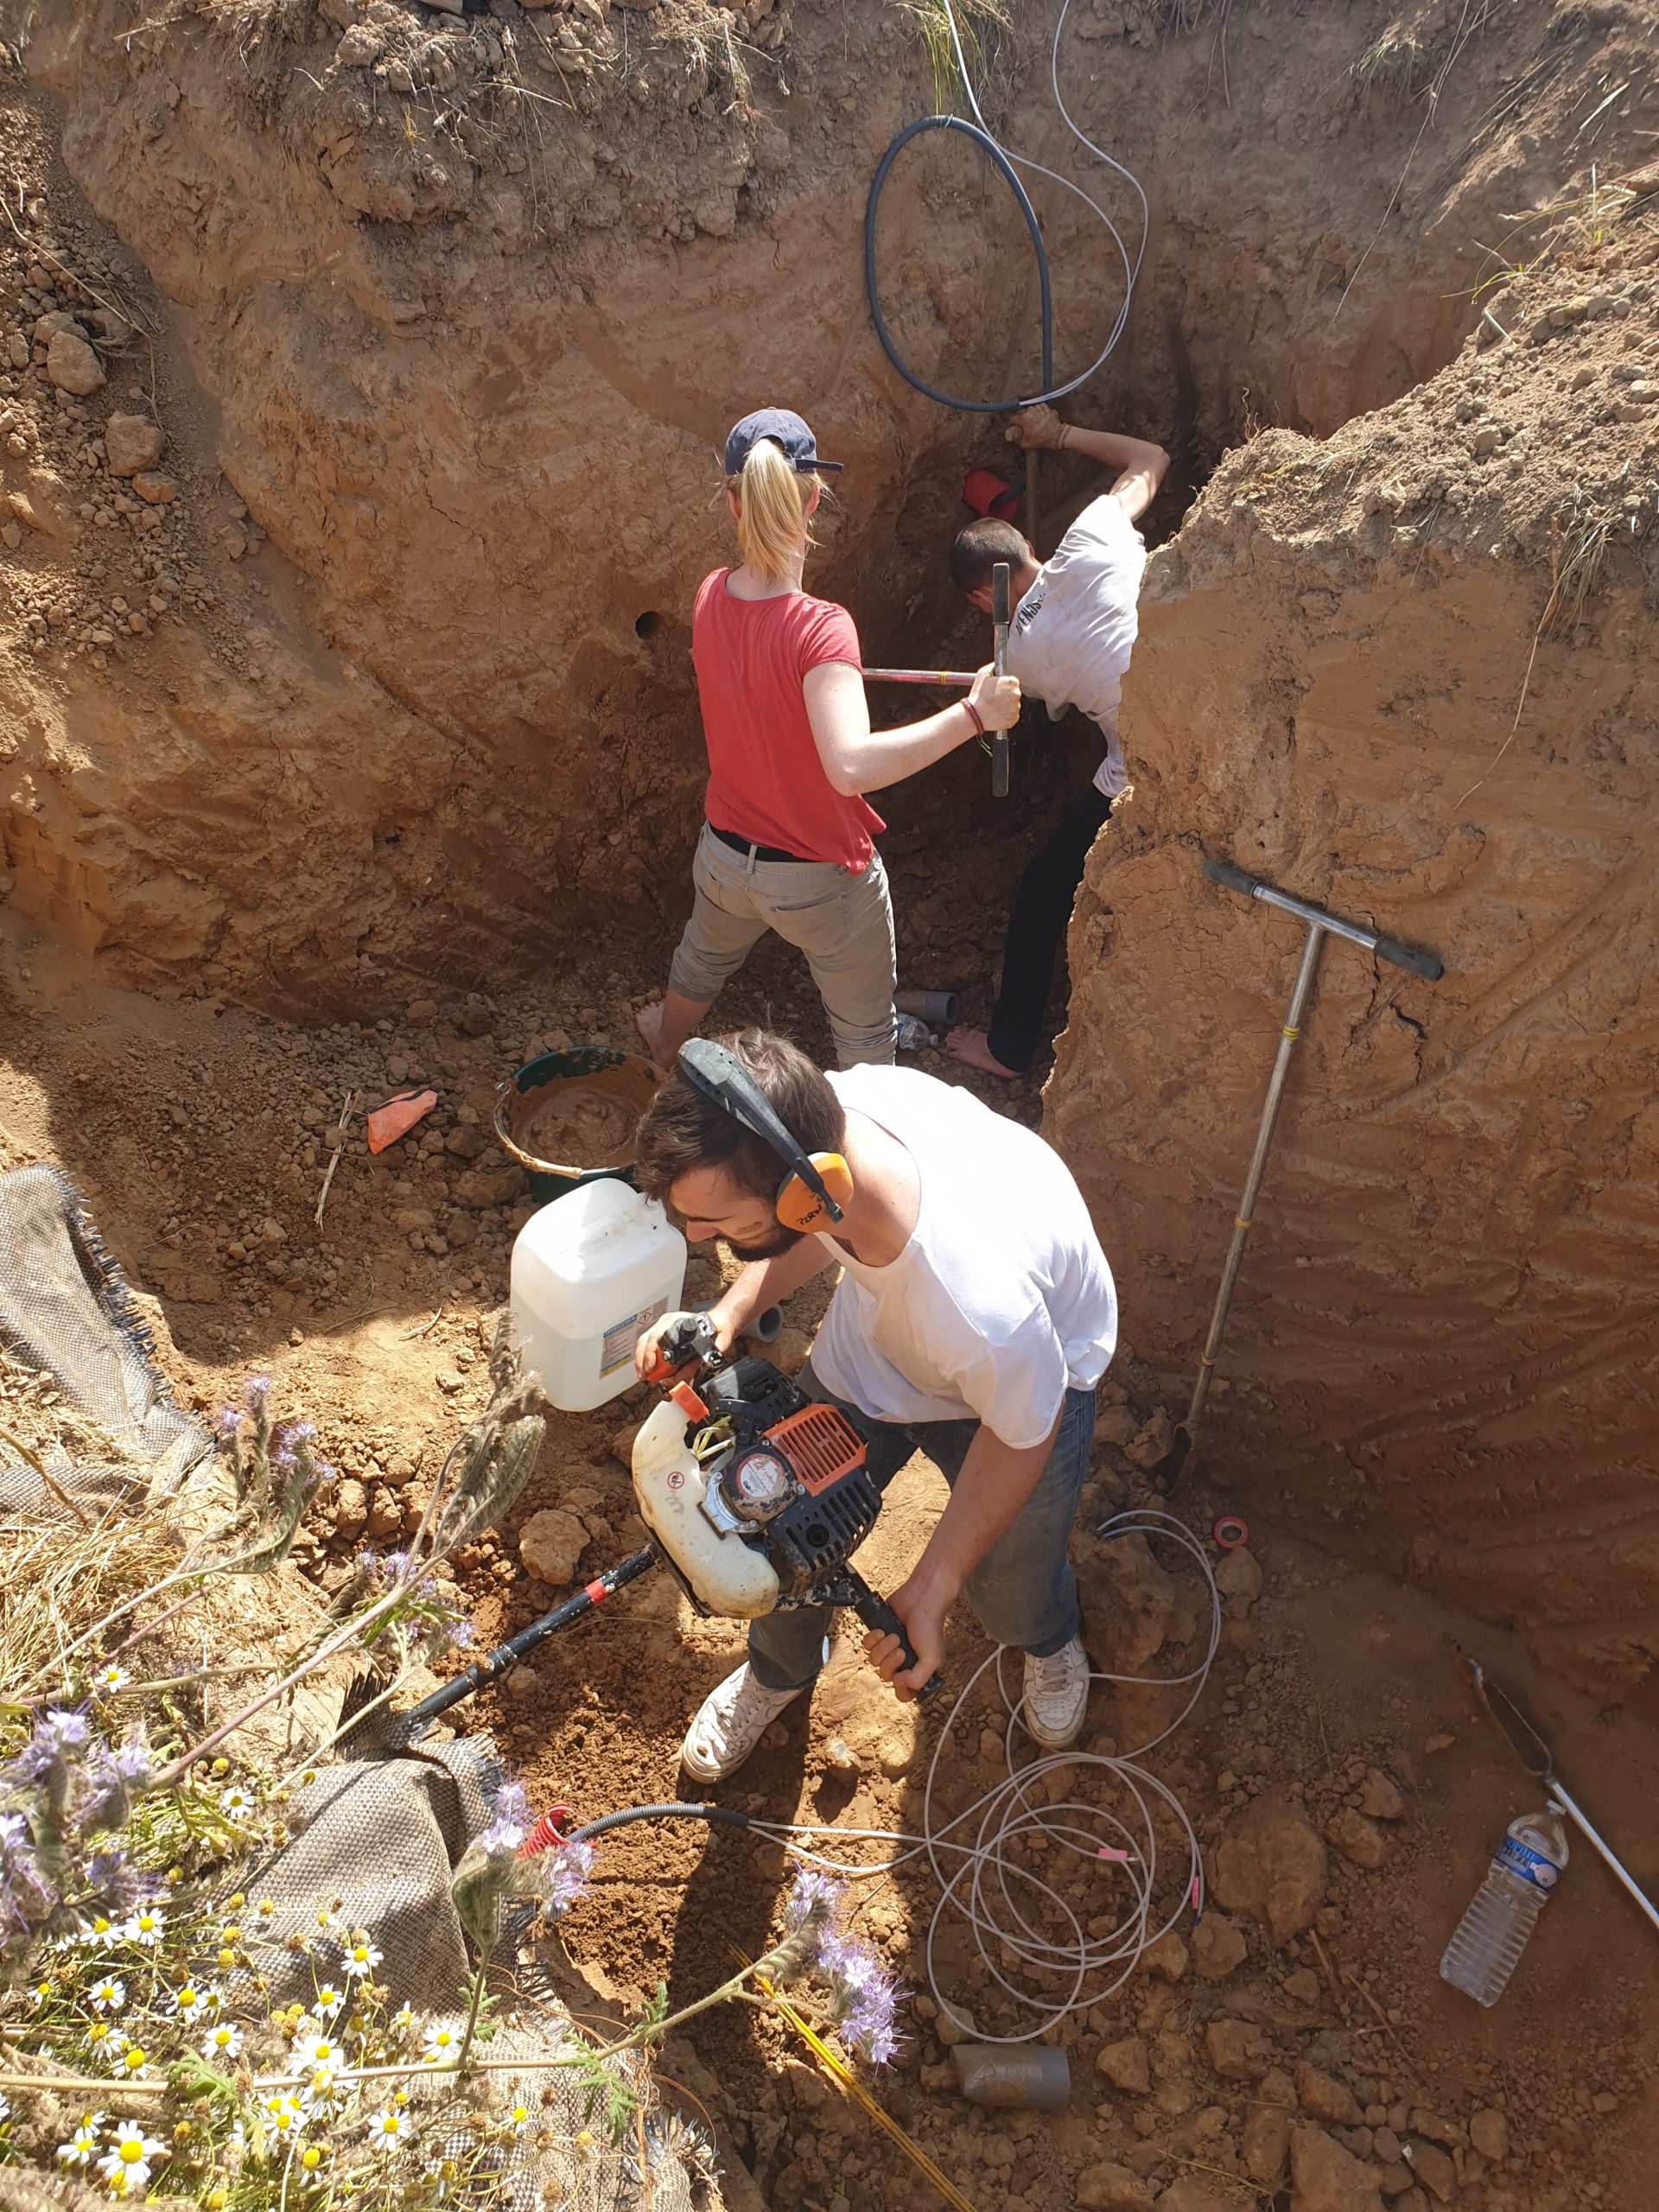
(462, 307)
(457, 310)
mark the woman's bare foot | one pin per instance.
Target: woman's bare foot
(649, 1022)
(973, 1046)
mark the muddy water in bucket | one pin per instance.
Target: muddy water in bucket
(570, 1117)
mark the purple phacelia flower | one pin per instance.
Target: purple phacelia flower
(567, 1870)
(255, 1391)
(59, 1739)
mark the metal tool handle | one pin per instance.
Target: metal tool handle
(1386, 948)
(414, 1723)
(999, 619)
(952, 679)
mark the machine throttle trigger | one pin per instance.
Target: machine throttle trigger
(686, 1344)
(875, 1612)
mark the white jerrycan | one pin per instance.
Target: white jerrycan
(589, 1271)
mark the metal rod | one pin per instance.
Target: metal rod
(1244, 1218)
(953, 679)
(999, 632)
(1560, 1798)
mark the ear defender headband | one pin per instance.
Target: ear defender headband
(817, 1187)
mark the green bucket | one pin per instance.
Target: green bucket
(569, 1118)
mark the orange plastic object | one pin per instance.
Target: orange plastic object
(399, 1115)
(688, 1403)
(820, 1444)
(986, 493)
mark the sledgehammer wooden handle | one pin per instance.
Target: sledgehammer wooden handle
(1000, 617)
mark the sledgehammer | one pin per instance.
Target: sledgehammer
(1169, 1471)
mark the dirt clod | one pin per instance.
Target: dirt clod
(1324, 2178)
(1271, 1865)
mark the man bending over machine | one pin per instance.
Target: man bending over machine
(975, 1315)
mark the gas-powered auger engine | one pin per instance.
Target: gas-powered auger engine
(754, 1497)
(758, 1498)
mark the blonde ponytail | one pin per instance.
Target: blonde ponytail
(771, 519)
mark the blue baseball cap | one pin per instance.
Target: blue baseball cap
(800, 448)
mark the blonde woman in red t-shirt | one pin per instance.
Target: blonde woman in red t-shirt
(788, 843)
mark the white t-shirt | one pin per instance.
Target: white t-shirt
(1073, 632)
(1003, 1299)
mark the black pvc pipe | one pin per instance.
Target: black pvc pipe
(872, 286)
(716, 1815)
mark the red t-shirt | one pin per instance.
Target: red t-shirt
(766, 781)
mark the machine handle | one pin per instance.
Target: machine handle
(875, 1612)
(1408, 956)
(1235, 879)
(999, 619)
(690, 1344)
(1426, 964)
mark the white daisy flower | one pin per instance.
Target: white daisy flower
(441, 2045)
(132, 2061)
(237, 1803)
(145, 1926)
(360, 1959)
(518, 2117)
(79, 2152)
(104, 2041)
(321, 2090)
(401, 2023)
(328, 2001)
(109, 1679)
(284, 2117)
(315, 2052)
(390, 2129)
(195, 2002)
(125, 2166)
(110, 1995)
(222, 2043)
(97, 1930)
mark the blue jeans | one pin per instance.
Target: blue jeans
(1023, 1592)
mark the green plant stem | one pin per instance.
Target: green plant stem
(471, 2028)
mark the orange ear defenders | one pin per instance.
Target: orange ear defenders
(817, 1187)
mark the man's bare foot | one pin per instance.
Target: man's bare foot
(974, 1046)
(649, 1022)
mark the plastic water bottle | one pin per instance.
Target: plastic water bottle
(1491, 1936)
(912, 1034)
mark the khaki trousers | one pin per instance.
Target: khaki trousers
(841, 922)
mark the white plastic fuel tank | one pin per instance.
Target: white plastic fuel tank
(733, 1580)
(589, 1271)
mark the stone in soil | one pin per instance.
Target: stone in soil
(1125, 2065)
(1322, 2096)
(1110, 2188)
(1217, 1947)
(1272, 1866)
(1357, 1837)
(71, 365)
(1326, 2178)
(1237, 2050)
(550, 1543)
(1266, 2140)
(132, 444)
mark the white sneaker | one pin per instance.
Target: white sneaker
(1056, 1693)
(731, 1721)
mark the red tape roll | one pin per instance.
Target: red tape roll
(1229, 1532)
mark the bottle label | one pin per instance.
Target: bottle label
(1531, 1865)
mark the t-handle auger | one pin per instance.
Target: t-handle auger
(1000, 617)
(1320, 924)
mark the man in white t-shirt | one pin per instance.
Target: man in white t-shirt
(975, 1315)
(1069, 644)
